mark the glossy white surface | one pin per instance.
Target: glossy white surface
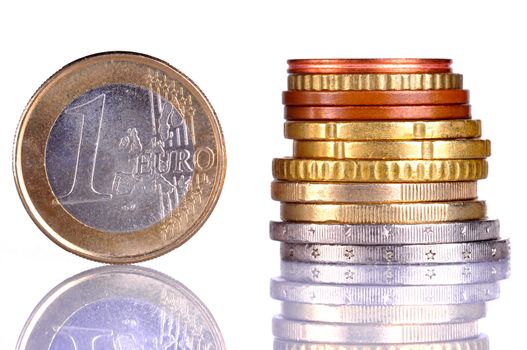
(236, 52)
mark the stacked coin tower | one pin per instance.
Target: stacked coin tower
(384, 170)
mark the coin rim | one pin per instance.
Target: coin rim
(375, 97)
(384, 213)
(393, 150)
(379, 193)
(69, 233)
(382, 130)
(375, 234)
(373, 113)
(352, 170)
(374, 82)
(480, 342)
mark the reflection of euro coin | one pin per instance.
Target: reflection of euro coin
(120, 308)
(391, 274)
(344, 294)
(119, 158)
(477, 343)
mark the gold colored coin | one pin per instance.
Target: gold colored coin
(344, 82)
(437, 149)
(314, 192)
(412, 213)
(383, 130)
(119, 158)
(319, 170)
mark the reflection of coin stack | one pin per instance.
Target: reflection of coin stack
(383, 238)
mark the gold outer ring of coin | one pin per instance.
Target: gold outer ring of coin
(436, 149)
(314, 192)
(326, 170)
(374, 98)
(347, 82)
(407, 213)
(400, 130)
(31, 179)
(371, 113)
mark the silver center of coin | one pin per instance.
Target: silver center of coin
(119, 158)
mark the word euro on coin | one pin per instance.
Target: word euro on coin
(119, 157)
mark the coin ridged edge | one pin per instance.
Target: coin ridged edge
(344, 82)
(317, 170)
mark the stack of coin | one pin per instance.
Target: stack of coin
(385, 162)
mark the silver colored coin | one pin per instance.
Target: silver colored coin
(343, 294)
(136, 149)
(372, 234)
(477, 343)
(370, 333)
(395, 314)
(484, 272)
(482, 251)
(120, 307)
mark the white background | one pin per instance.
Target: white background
(236, 52)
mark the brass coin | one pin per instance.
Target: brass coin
(119, 158)
(374, 98)
(407, 213)
(383, 130)
(436, 149)
(314, 192)
(347, 82)
(319, 170)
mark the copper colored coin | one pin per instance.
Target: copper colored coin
(376, 65)
(427, 112)
(382, 98)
